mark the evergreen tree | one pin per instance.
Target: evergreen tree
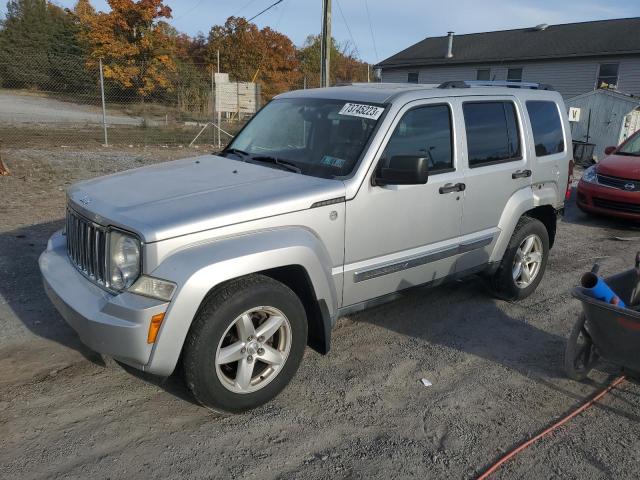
(39, 47)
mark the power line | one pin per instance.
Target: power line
(266, 9)
(346, 24)
(243, 7)
(188, 11)
(375, 48)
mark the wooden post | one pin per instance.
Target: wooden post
(325, 44)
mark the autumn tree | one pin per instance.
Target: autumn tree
(248, 53)
(137, 47)
(345, 65)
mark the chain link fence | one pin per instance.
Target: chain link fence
(65, 101)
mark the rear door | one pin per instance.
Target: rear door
(497, 165)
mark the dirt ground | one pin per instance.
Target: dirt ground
(359, 412)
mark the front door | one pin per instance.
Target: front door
(398, 236)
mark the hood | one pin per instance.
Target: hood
(622, 166)
(196, 194)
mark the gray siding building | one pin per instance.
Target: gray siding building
(574, 58)
(606, 118)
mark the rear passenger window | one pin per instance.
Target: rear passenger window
(425, 132)
(492, 132)
(546, 126)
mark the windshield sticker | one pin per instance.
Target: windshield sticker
(332, 161)
(360, 110)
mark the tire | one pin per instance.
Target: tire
(504, 283)
(580, 355)
(226, 315)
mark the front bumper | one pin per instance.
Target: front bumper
(116, 325)
(602, 200)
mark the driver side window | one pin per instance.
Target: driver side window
(424, 132)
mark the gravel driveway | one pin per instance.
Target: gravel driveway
(359, 412)
(17, 108)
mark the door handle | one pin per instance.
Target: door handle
(450, 188)
(521, 174)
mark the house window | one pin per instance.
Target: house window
(607, 75)
(412, 77)
(514, 75)
(483, 74)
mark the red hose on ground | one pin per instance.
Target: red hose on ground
(559, 423)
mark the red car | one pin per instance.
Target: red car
(612, 186)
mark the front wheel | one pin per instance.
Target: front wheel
(524, 261)
(245, 344)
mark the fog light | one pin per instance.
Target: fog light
(154, 327)
(154, 288)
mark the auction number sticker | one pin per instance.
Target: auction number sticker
(360, 110)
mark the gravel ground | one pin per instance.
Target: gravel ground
(17, 107)
(359, 412)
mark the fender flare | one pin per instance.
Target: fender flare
(197, 269)
(518, 204)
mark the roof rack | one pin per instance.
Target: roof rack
(494, 83)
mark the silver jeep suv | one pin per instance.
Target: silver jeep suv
(327, 202)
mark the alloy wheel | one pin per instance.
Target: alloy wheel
(253, 349)
(528, 261)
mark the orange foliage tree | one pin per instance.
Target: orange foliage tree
(137, 48)
(345, 65)
(248, 53)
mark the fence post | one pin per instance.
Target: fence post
(3, 168)
(213, 103)
(104, 108)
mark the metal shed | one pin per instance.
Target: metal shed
(606, 118)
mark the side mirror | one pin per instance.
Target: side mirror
(609, 150)
(404, 170)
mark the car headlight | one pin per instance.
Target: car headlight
(590, 175)
(154, 288)
(124, 261)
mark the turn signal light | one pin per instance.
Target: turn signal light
(154, 327)
(567, 194)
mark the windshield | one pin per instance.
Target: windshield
(318, 137)
(632, 147)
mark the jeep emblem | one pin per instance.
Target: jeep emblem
(85, 199)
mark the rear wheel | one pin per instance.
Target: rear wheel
(524, 262)
(245, 344)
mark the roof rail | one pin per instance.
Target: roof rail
(494, 83)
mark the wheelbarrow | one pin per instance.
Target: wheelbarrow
(605, 332)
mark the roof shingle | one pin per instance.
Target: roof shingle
(603, 37)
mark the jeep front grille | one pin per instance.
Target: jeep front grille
(87, 247)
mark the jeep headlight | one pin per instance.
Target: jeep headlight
(124, 260)
(590, 175)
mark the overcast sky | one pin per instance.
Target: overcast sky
(395, 24)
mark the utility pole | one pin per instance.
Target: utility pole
(325, 44)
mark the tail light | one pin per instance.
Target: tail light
(567, 195)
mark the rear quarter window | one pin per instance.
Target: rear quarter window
(547, 127)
